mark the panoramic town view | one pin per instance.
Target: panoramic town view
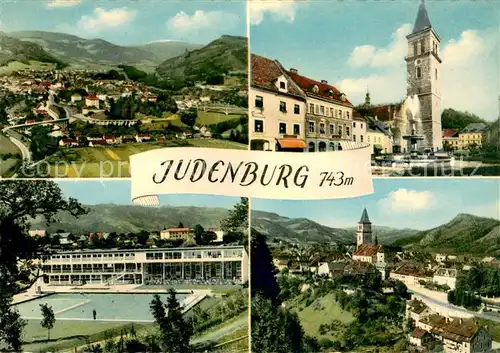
(84, 270)
(395, 87)
(78, 100)
(409, 268)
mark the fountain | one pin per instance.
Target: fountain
(412, 112)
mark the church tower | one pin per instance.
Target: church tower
(423, 66)
(364, 231)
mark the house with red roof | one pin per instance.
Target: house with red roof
(451, 139)
(92, 101)
(277, 108)
(329, 114)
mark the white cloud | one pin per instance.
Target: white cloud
(284, 10)
(102, 19)
(63, 3)
(404, 200)
(201, 20)
(468, 72)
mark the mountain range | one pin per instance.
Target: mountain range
(170, 59)
(131, 218)
(464, 234)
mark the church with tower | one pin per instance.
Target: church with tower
(367, 250)
(415, 123)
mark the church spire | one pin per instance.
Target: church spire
(423, 21)
(364, 217)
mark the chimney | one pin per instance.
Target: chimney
(293, 71)
(324, 82)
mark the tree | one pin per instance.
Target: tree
(181, 225)
(263, 272)
(188, 117)
(42, 144)
(198, 234)
(20, 200)
(236, 222)
(48, 318)
(208, 237)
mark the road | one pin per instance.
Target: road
(453, 307)
(223, 331)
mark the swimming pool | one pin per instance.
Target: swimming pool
(108, 307)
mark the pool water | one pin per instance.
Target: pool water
(108, 307)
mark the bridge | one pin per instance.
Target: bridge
(23, 127)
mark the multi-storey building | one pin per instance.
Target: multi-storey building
(176, 233)
(359, 128)
(277, 108)
(211, 264)
(329, 114)
(472, 136)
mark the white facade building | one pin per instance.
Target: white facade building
(211, 264)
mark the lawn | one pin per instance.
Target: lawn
(323, 310)
(6, 146)
(207, 118)
(113, 161)
(69, 334)
(17, 66)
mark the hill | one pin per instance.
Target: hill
(463, 234)
(164, 50)
(224, 55)
(12, 49)
(303, 230)
(82, 52)
(125, 218)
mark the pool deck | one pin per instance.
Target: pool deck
(45, 290)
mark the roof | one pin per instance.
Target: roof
(291, 143)
(92, 97)
(265, 72)
(419, 333)
(177, 229)
(417, 306)
(368, 250)
(458, 330)
(364, 217)
(325, 91)
(434, 320)
(422, 22)
(475, 127)
(449, 132)
(446, 272)
(408, 269)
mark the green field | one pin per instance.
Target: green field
(207, 118)
(113, 161)
(6, 146)
(69, 334)
(323, 310)
(16, 66)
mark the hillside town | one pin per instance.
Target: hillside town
(442, 308)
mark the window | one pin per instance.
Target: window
(322, 128)
(322, 146)
(282, 128)
(258, 126)
(259, 102)
(339, 114)
(317, 109)
(347, 130)
(422, 46)
(354, 124)
(283, 107)
(332, 112)
(311, 146)
(361, 138)
(348, 115)
(282, 85)
(332, 146)
(311, 126)
(414, 48)
(296, 109)
(419, 72)
(332, 129)
(311, 108)
(340, 130)
(296, 129)
(361, 125)
(436, 73)
(322, 110)
(315, 89)
(354, 138)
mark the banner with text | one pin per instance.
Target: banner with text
(258, 174)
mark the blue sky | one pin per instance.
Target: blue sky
(91, 192)
(420, 203)
(319, 39)
(128, 22)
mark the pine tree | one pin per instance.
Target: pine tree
(48, 320)
(263, 280)
(181, 331)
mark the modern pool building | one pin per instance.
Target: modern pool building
(204, 265)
